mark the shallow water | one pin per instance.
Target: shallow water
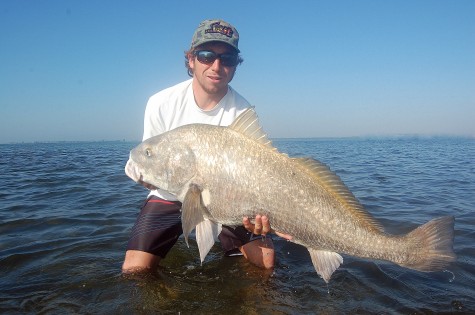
(66, 210)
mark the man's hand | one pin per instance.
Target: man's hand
(261, 226)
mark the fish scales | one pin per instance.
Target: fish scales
(245, 195)
(224, 173)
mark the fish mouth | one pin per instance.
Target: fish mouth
(134, 173)
(145, 184)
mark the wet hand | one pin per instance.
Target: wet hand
(262, 226)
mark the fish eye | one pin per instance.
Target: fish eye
(148, 152)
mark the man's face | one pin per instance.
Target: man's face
(213, 78)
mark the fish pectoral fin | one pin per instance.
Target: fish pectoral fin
(192, 210)
(206, 234)
(325, 262)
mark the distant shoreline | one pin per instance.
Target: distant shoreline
(387, 137)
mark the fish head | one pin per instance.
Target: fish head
(162, 162)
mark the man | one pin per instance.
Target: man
(206, 98)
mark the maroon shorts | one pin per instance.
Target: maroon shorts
(158, 227)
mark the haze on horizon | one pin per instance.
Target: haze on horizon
(83, 71)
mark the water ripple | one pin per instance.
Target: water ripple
(66, 212)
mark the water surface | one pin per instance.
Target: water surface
(66, 210)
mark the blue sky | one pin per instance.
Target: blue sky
(83, 70)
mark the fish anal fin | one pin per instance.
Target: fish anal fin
(206, 235)
(192, 210)
(247, 123)
(325, 262)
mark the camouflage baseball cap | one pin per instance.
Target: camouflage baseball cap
(215, 31)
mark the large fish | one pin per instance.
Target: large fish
(221, 174)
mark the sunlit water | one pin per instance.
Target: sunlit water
(66, 210)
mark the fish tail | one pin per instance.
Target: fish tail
(433, 245)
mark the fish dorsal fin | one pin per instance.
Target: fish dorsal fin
(335, 186)
(248, 124)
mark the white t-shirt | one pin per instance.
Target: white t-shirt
(176, 106)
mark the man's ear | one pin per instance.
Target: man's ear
(191, 61)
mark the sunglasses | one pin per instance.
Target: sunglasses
(208, 57)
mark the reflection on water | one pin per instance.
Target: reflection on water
(66, 211)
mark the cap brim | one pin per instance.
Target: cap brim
(216, 40)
